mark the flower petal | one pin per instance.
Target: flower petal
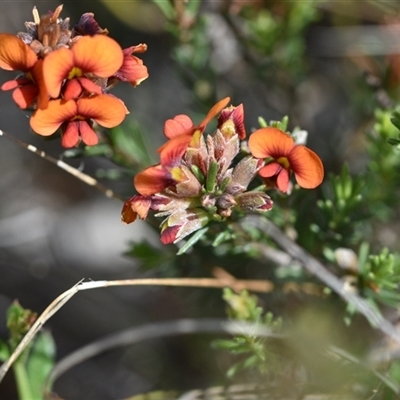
(72, 89)
(136, 206)
(269, 170)
(13, 84)
(70, 135)
(170, 234)
(106, 110)
(38, 77)
(15, 55)
(282, 181)
(89, 85)
(307, 167)
(127, 214)
(87, 25)
(46, 121)
(181, 124)
(87, 133)
(215, 110)
(231, 122)
(152, 180)
(56, 67)
(270, 142)
(132, 69)
(25, 95)
(172, 151)
(98, 54)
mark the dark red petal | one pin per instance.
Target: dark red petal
(127, 214)
(233, 115)
(169, 234)
(87, 25)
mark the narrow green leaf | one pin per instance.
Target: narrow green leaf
(395, 120)
(211, 176)
(192, 240)
(393, 141)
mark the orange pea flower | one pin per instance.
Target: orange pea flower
(98, 55)
(283, 156)
(132, 69)
(181, 131)
(153, 180)
(15, 55)
(76, 116)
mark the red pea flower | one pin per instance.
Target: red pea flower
(76, 116)
(272, 143)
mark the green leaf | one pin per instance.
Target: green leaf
(4, 351)
(40, 362)
(129, 146)
(211, 176)
(393, 141)
(192, 240)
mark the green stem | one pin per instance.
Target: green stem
(22, 381)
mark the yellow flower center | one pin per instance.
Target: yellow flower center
(284, 162)
(228, 128)
(74, 73)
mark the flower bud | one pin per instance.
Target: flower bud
(254, 201)
(231, 122)
(243, 174)
(181, 224)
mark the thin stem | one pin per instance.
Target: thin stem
(64, 166)
(22, 381)
(55, 305)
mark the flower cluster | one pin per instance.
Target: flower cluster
(66, 75)
(199, 179)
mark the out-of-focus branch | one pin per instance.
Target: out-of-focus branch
(313, 266)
